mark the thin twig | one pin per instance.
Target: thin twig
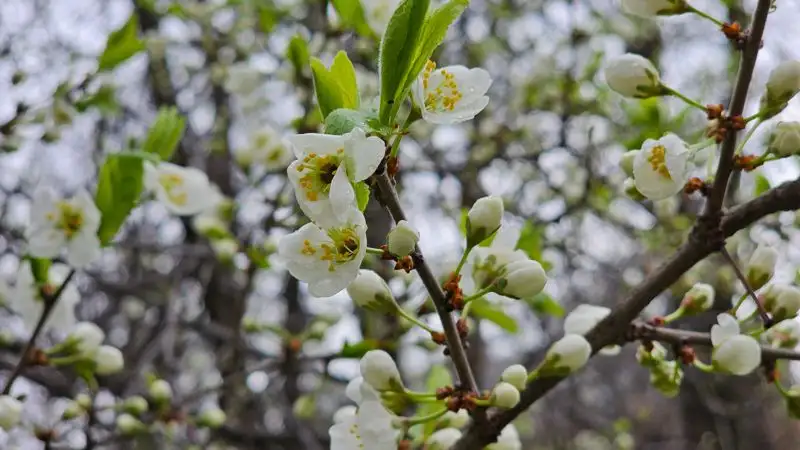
(49, 304)
(389, 196)
(761, 311)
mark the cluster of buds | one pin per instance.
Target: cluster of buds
(453, 293)
(458, 398)
(720, 123)
(405, 263)
(733, 31)
(665, 375)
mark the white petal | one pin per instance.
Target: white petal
(353, 389)
(342, 195)
(476, 84)
(45, 241)
(301, 266)
(461, 113)
(418, 92)
(91, 215)
(507, 237)
(83, 249)
(43, 204)
(739, 355)
(364, 155)
(150, 178)
(321, 144)
(331, 286)
(320, 211)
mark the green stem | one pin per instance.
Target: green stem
(465, 311)
(419, 395)
(747, 137)
(783, 391)
(424, 419)
(484, 403)
(674, 315)
(479, 294)
(374, 251)
(413, 116)
(405, 314)
(705, 15)
(708, 368)
(532, 376)
(739, 304)
(463, 261)
(686, 99)
(755, 116)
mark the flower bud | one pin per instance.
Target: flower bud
(160, 391)
(631, 191)
(508, 440)
(84, 401)
(443, 439)
(128, 425)
(522, 279)
(87, 337)
(626, 162)
(761, 266)
(782, 301)
(516, 375)
(135, 405)
(370, 291)
(737, 355)
(666, 377)
(504, 395)
(456, 419)
(633, 76)
(211, 418)
(304, 407)
(10, 412)
(344, 413)
(225, 249)
(483, 219)
(583, 318)
(73, 410)
(652, 8)
(699, 298)
(652, 355)
(402, 240)
(783, 84)
(784, 334)
(785, 139)
(108, 360)
(210, 226)
(568, 354)
(380, 371)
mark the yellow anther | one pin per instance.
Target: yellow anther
(657, 160)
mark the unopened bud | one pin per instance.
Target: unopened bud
(304, 407)
(370, 291)
(129, 425)
(782, 301)
(380, 371)
(522, 279)
(626, 162)
(633, 76)
(761, 266)
(135, 405)
(785, 139)
(402, 240)
(504, 395)
(483, 219)
(160, 391)
(567, 355)
(516, 376)
(699, 298)
(211, 418)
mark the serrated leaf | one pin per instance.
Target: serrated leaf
(362, 195)
(484, 309)
(762, 184)
(122, 43)
(351, 14)
(342, 121)
(358, 349)
(343, 71)
(297, 53)
(165, 133)
(544, 304)
(119, 187)
(399, 48)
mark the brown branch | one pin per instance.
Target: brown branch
(644, 331)
(389, 197)
(761, 311)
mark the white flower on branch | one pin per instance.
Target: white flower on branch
(327, 259)
(185, 191)
(583, 318)
(10, 412)
(326, 168)
(86, 337)
(784, 334)
(486, 264)
(57, 223)
(370, 291)
(699, 298)
(733, 353)
(484, 219)
(651, 8)
(633, 76)
(504, 395)
(380, 371)
(451, 94)
(785, 139)
(661, 168)
(522, 279)
(508, 440)
(783, 84)
(369, 428)
(108, 360)
(566, 355)
(516, 375)
(443, 439)
(402, 239)
(265, 148)
(761, 266)
(27, 301)
(782, 301)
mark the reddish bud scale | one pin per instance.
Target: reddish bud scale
(714, 111)
(693, 185)
(687, 354)
(438, 338)
(745, 162)
(657, 321)
(462, 327)
(444, 392)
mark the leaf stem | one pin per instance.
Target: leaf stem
(408, 316)
(705, 15)
(686, 99)
(747, 137)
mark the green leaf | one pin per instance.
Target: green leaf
(119, 187)
(438, 377)
(329, 92)
(362, 195)
(40, 269)
(121, 45)
(342, 121)
(762, 184)
(267, 19)
(104, 100)
(343, 71)
(544, 304)
(297, 53)
(530, 240)
(352, 15)
(484, 309)
(358, 349)
(399, 48)
(165, 133)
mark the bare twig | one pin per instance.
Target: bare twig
(49, 304)
(761, 311)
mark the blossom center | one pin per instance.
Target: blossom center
(68, 219)
(657, 160)
(486, 272)
(173, 187)
(318, 172)
(342, 247)
(445, 95)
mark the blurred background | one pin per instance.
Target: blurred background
(229, 327)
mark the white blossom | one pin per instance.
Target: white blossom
(10, 412)
(784, 334)
(483, 219)
(633, 76)
(57, 223)
(370, 291)
(508, 440)
(661, 168)
(127, 424)
(516, 375)
(87, 337)
(505, 395)
(370, 428)
(761, 266)
(456, 419)
(185, 191)
(486, 264)
(782, 85)
(626, 161)
(212, 418)
(325, 169)
(327, 259)
(402, 239)
(443, 439)
(27, 300)
(160, 391)
(344, 413)
(583, 318)
(569, 353)
(108, 360)
(782, 301)
(265, 148)
(451, 94)
(380, 371)
(733, 353)
(523, 279)
(699, 298)
(785, 139)
(651, 8)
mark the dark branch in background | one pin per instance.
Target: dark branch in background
(701, 243)
(761, 311)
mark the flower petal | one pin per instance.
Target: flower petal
(342, 195)
(321, 144)
(363, 155)
(82, 249)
